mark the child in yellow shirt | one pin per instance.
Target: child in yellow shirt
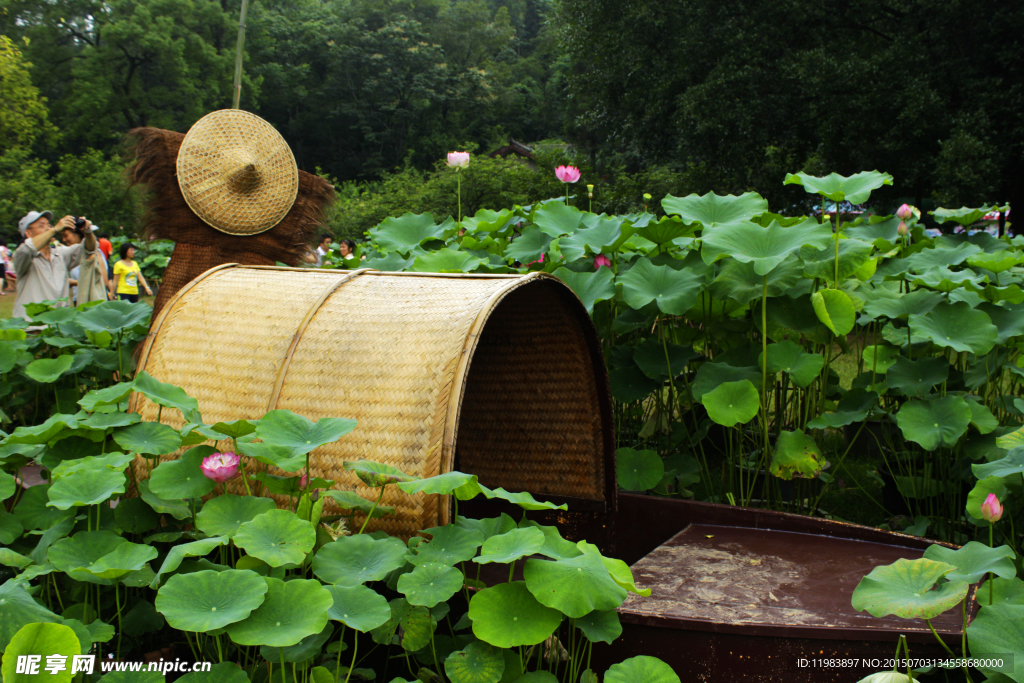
(127, 276)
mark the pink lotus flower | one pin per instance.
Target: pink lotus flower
(540, 260)
(220, 466)
(458, 159)
(567, 174)
(303, 480)
(991, 510)
(902, 230)
(602, 261)
(904, 212)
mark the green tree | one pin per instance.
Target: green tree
(23, 114)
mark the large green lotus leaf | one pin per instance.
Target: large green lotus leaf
(235, 429)
(711, 375)
(575, 587)
(75, 554)
(167, 395)
(963, 216)
(10, 528)
(1008, 319)
(786, 356)
(305, 649)
(656, 358)
(376, 474)
(17, 609)
(555, 547)
(712, 210)
(43, 641)
(668, 229)
(7, 485)
(486, 220)
(347, 500)
(87, 481)
(619, 570)
(674, 291)
(641, 669)
(917, 377)
(446, 260)
(278, 537)
(935, 422)
(8, 358)
(354, 560)
(523, 499)
(927, 259)
(909, 589)
(600, 626)
(508, 615)
(223, 515)
(737, 280)
(883, 302)
(854, 189)
(289, 485)
(59, 530)
(1013, 463)
(880, 231)
(418, 626)
(124, 559)
(291, 611)
(638, 470)
(358, 607)
(732, 403)
(225, 672)
(554, 218)
(431, 583)
(391, 263)
(183, 478)
(996, 262)
(981, 417)
(853, 254)
(33, 511)
(406, 232)
(114, 316)
(448, 546)
(589, 287)
(281, 457)
(477, 663)
(981, 491)
(796, 455)
(9, 558)
(946, 280)
(150, 438)
(1003, 592)
(974, 560)
(44, 432)
(511, 546)
(105, 421)
(106, 397)
(629, 384)
(489, 526)
(441, 484)
(879, 358)
(958, 327)
(765, 248)
(49, 370)
(996, 633)
(179, 552)
(835, 310)
(285, 428)
(592, 240)
(1012, 440)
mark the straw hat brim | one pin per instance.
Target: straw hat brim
(237, 173)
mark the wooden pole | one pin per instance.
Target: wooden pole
(238, 55)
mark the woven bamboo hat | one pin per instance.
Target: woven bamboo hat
(237, 173)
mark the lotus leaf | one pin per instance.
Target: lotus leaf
(712, 374)
(650, 355)
(9, 558)
(448, 546)
(600, 626)
(1009, 320)
(235, 429)
(167, 395)
(48, 370)
(10, 528)
(796, 455)
(88, 481)
(182, 478)
(358, 607)
(7, 485)
(1003, 591)
(981, 417)
(981, 491)
(523, 499)
(835, 309)
(285, 428)
(934, 422)
(124, 559)
(477, 663)
(619, 570)
(446, 260)
(346, 500)
(854, 189)
(638, 470)
(883, 302)
(996, 262)
(946, 280)
(957, 326)
(179, 552)
(354, 560)
(630, 384)
(107, 396)
(732, 403)
(281, 457)
(511, 546)
(712, 210)
(853, 255)
(441, 484)
(305, 649)
(105, 421)
(575, 586)
(765, 248)
(43, 433)
(77, 554)
(43, 640)
(589, 287)
(376, 474)
(598, 238)
(963, 215)
(642, 669)
(508, 615)
(880, 358)
(737, 280)
(278, 537)
(291, 611)
(393, 262)
(674, 291)
(974, 560)
(114, 316)
(917, 377)
(430, 583)
(554, 218)
(418, 626)
(405, 233)
(59, 530)
(996, 632)
(910, 589)
(488, 527)
(17, 609)
(151, 438)
(1014, 439)
(1013, 463)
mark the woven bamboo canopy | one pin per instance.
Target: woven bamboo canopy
(497, 375)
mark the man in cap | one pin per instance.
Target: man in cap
(43, 271)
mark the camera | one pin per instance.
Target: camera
(80, 225)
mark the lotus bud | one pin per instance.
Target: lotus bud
(458, 160)
(220, 467)
(991, 510)
(904, 212)
(567, 174)
(601, 261)
(303, 480)
(647, 197)
(902, 230)
(590, 191)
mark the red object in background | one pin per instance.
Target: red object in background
(106, 247)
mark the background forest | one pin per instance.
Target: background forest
(673, 97)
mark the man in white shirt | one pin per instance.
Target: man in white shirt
(43, 271)
(323, 249)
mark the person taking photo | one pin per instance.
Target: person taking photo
(127, 276)
(43, 270)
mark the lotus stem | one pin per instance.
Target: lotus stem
(337, 666)
(375, 503)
